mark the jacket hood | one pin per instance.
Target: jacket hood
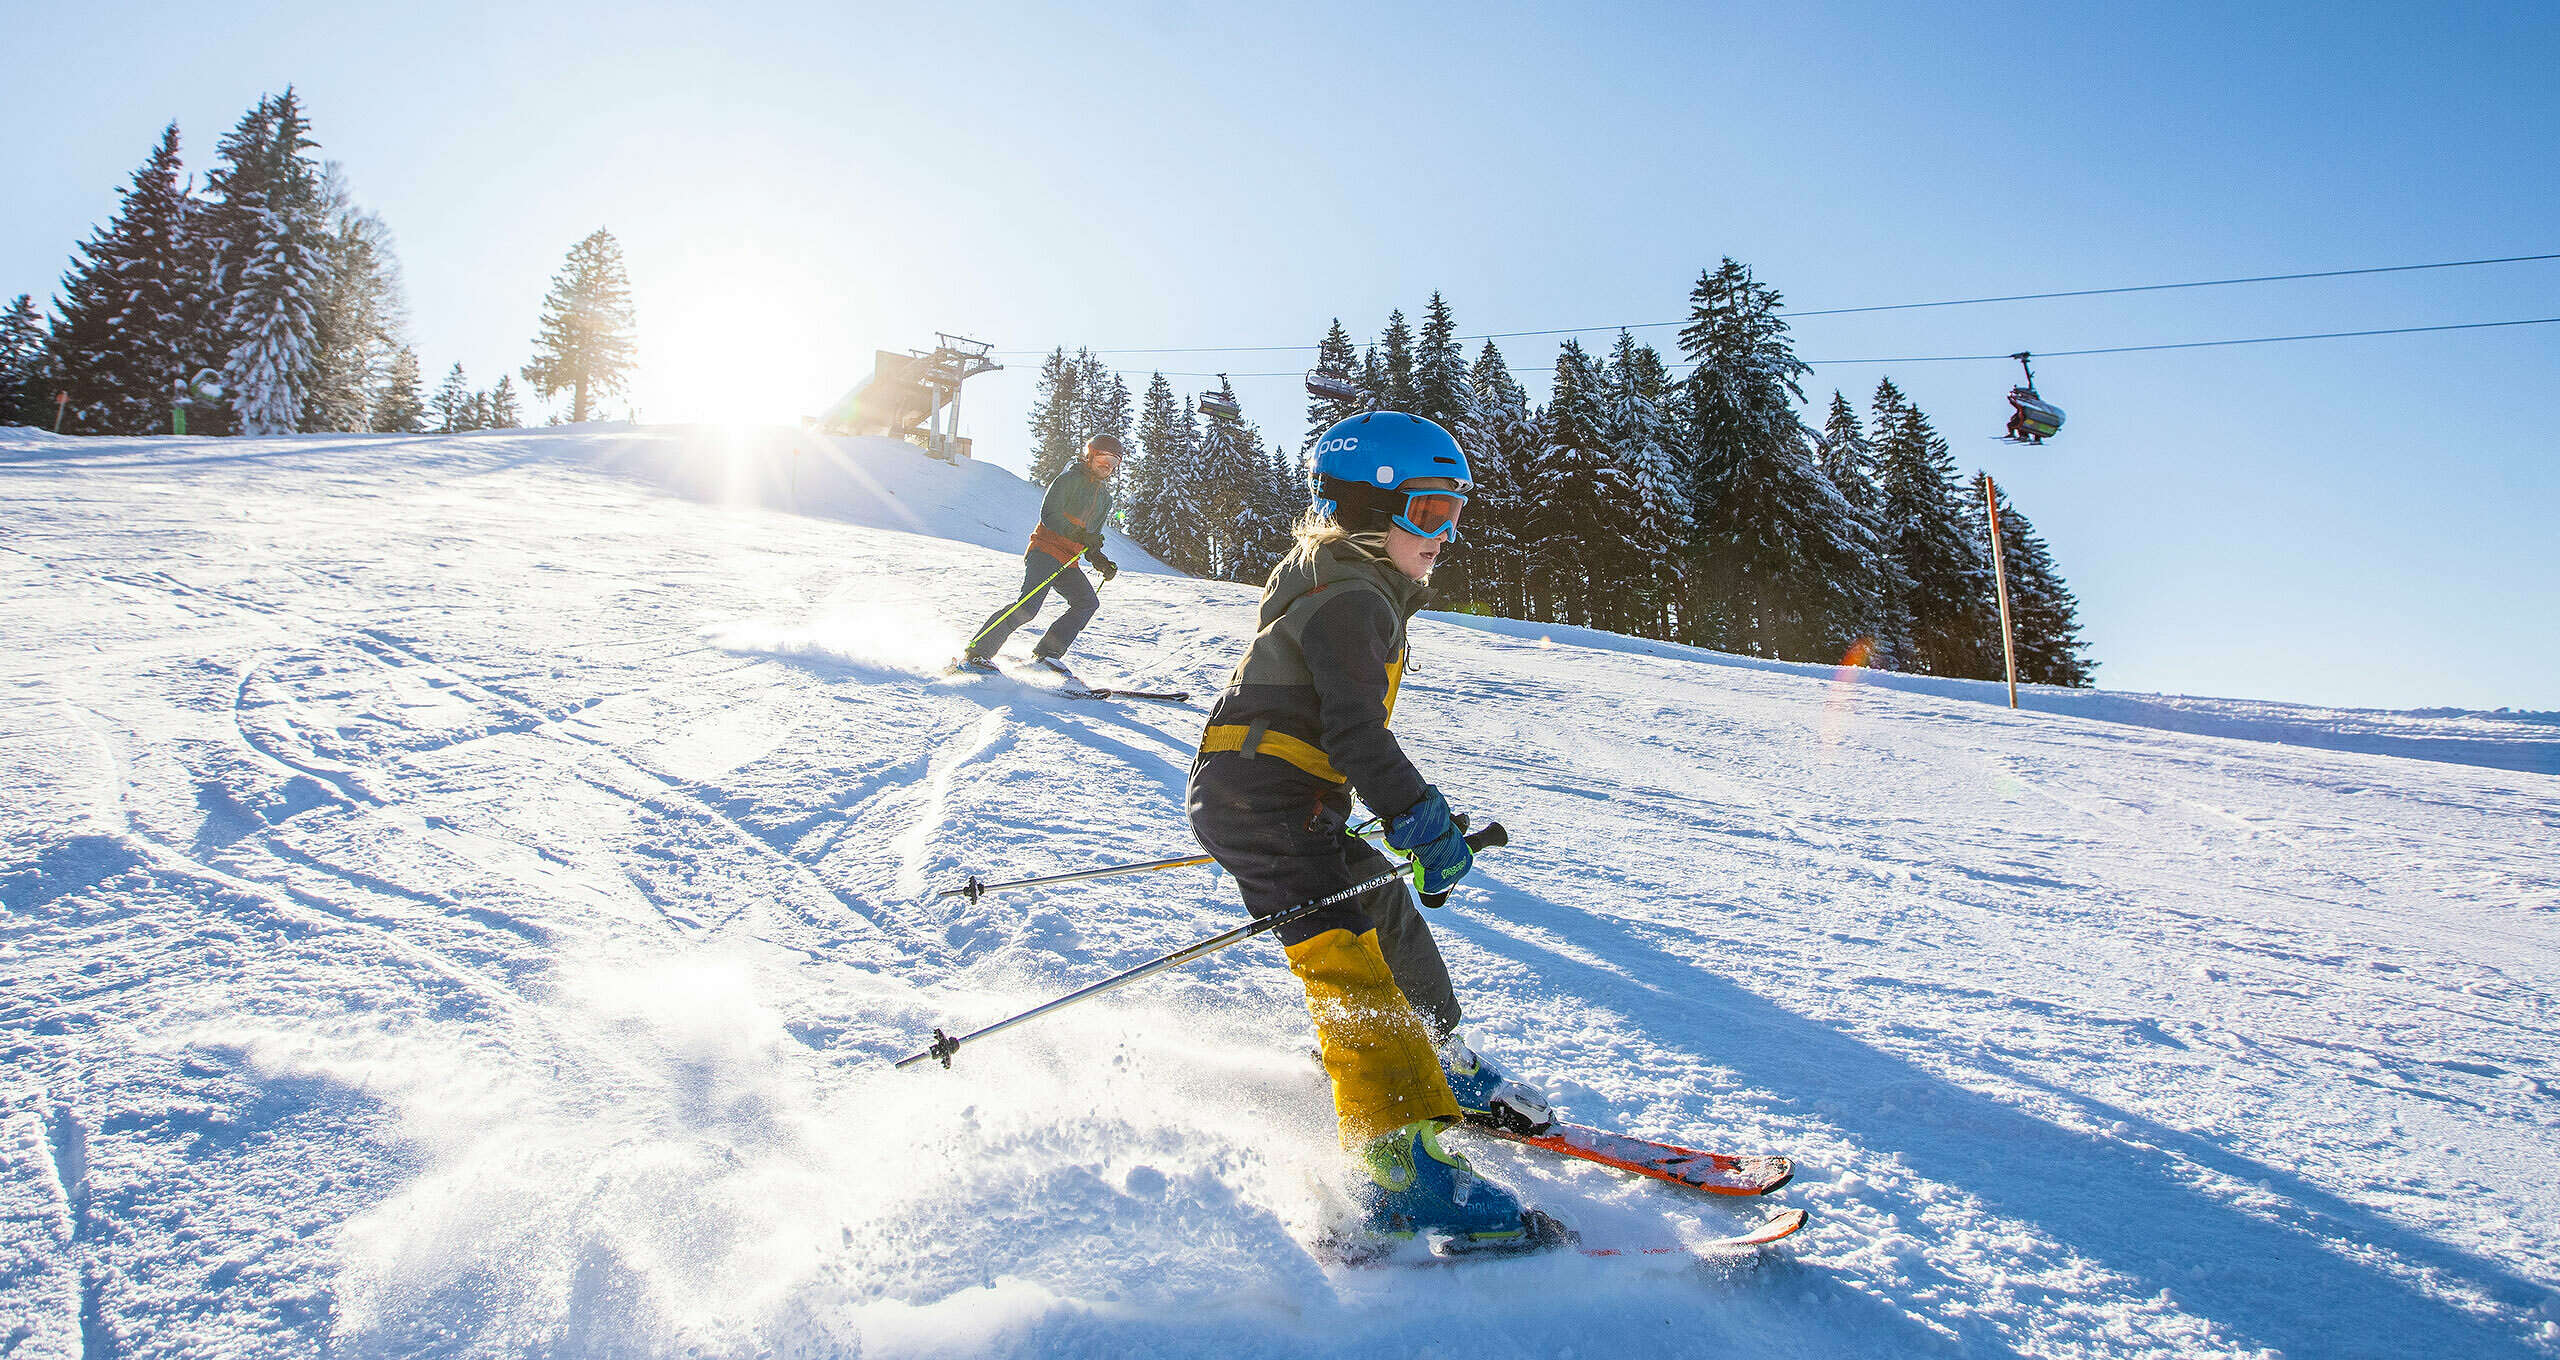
(1331, 563)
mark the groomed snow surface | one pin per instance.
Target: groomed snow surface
(463, 895)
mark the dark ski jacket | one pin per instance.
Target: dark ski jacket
(1310, 702)
(1073, 513)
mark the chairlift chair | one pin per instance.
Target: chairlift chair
(2032, 419)
(1325, 386)
(1218, 403)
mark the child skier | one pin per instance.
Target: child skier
(1071, 518)
(1301, 727)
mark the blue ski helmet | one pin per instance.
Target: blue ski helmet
(1362, 461)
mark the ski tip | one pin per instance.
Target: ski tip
(1776, 1227)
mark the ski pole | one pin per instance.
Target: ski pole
(1008, 609)
(944, 1045)
(973, 889)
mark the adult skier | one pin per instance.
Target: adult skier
(1301, 727)
(1070, 527)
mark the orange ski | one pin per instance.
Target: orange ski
(1716, 1173)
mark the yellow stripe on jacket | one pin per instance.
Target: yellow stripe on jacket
(1303, 754)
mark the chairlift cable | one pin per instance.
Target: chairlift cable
(1977, 358)
(1889, 307)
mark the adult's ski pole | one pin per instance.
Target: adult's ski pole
(973, 889)
(1026, 595)
(944, 1045)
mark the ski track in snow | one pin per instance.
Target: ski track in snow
(461, 896)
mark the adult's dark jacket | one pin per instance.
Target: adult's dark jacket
(1308, 706)
(1072, 514)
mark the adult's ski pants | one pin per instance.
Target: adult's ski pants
(1037, 566)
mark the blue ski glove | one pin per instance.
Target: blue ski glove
(1427, 836)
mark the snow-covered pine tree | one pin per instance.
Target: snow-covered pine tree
(589, 337)
(1849, 460)
(1500, 437)
(1779, 564)
(1233, 494)
(1285, 498)
(1395, 365)
(1440, 368)
(1373, 381)
(1153, 482)
(1054, 433)
(455, 410)
(356, 328)
(271, 265)
(22, 363)
(1954, 619)
(1643, 565)
(503, 413)
(400, 409)
(1102, 400)
(1193, 513)
(2042, 611)
(1336, 356)
(119, 346)
(1572, 490)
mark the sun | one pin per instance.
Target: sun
(731, 337)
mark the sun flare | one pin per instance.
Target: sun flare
(733, 337)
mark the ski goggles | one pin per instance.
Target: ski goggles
(1430, 514)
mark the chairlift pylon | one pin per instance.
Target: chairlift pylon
(2032, 419)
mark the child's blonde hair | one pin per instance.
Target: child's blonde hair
(1315, 529)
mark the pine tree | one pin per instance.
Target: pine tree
(1338, 357)
(1571, 490)
(270, 266)
(22, 363)
(1953, 623)
(502, 412)
(1102, 401)
(453, 406)
(1440, 368)
(1779, 565)
(1394, 390)
(1055, 437)
(1642, 565)
(1145, 500)
(120, 345)
(2042, 611)
(1285, 497)
(1500, 438)
(1232, 493)
(1373, 381)
(400, 409)
(356, 329)
(1849, 460)
(589, 337)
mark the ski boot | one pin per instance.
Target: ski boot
(1489, 1096)
(973, 662)
(1413, 1188)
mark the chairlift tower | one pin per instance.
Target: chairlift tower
(955, 360)
(915, 396)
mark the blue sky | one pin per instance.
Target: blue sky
(2351, 521)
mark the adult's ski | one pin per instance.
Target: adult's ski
(1160, 696)
(1074, 688)
(1551, 1238)
(1716, 1173)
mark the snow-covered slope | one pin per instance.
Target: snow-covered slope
(462, 898)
